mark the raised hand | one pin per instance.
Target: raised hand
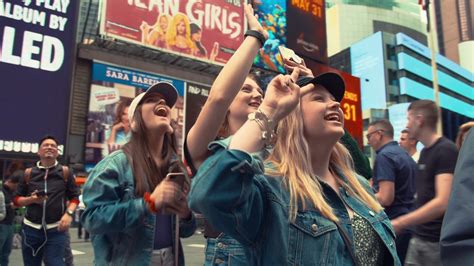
(252, 20)
(282, 96)
(290, 65)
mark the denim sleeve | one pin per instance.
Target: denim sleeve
(229, 196)
(110, 205)
(3, 211)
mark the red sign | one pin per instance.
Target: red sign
(208, 30)
(351, 104)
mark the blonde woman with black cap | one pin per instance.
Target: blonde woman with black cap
(131, 203)
(304, 205)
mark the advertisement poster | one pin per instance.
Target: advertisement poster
(112, 90)
(196, 96)
(308, 40)
(37, 44)
(208, 30)
(272, 16)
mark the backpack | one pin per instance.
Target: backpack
(27, 175)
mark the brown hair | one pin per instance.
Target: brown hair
(147, 175)
(124, 103)
(224, 129)
(428, 109)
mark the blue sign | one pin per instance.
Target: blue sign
(367, 61)
(130, 77)
(37, 44)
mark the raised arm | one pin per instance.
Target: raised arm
(223, 91)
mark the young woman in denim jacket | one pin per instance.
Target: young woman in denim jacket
(234, 94)
(128, 225)
(288, 211)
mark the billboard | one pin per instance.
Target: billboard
(112, 90)
(283, 21)
(367, 63)
(310, 40)
(37, 44)
(208, 30)
(196, 96)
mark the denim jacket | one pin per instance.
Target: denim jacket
(231, 191)
(120, 224)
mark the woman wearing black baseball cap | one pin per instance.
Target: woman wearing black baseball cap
(303, 205)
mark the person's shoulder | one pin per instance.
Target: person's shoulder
(446, 143)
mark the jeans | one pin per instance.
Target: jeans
(224, 251)
(39, 243)
(6, 238)
(422, 252)
(402, 242)
(162, 257)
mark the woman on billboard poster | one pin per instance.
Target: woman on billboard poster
(157, 35)
(178, 36)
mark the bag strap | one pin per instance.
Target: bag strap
(348, 242)
(65, 173)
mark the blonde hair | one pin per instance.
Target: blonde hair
(292, 160)
(172, 32)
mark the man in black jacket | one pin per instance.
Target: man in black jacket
(9, 187)
(44, 191)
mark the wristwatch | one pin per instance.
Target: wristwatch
(70, 213)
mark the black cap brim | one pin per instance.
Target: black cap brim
(169, 92)
(333, 82)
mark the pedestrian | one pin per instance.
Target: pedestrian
(44, 191)
(457, 239)
(409, 144)
(131, 202)
(297, 208)
(9, 187)
(433, 185)
(234, 94)
(394, 177)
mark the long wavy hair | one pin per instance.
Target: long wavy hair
(292, 160)
(172, 32)
(147, 174)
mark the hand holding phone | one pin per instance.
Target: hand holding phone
(289, 54)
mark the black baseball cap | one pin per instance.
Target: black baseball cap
(332, 81)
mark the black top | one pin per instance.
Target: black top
(439, 158)
(394, 164)
(58, 189)
(8, 200)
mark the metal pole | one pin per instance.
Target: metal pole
(434, 67)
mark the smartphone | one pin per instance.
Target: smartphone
(289, 54)
(178, 178)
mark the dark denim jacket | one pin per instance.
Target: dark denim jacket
(234, 195)
(121, 226)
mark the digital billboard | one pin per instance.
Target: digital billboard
(112, 90)
(367, 62)
(37, 44)
(208, 30)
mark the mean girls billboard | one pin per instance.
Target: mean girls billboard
(208, 30)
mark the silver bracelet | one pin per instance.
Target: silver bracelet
(266, 126)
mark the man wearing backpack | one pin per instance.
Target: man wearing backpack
(44, 191)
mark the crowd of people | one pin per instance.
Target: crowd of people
(271, 169)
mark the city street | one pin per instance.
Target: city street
(84, 255)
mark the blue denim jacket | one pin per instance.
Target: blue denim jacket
(120, 224)
(231, 191)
